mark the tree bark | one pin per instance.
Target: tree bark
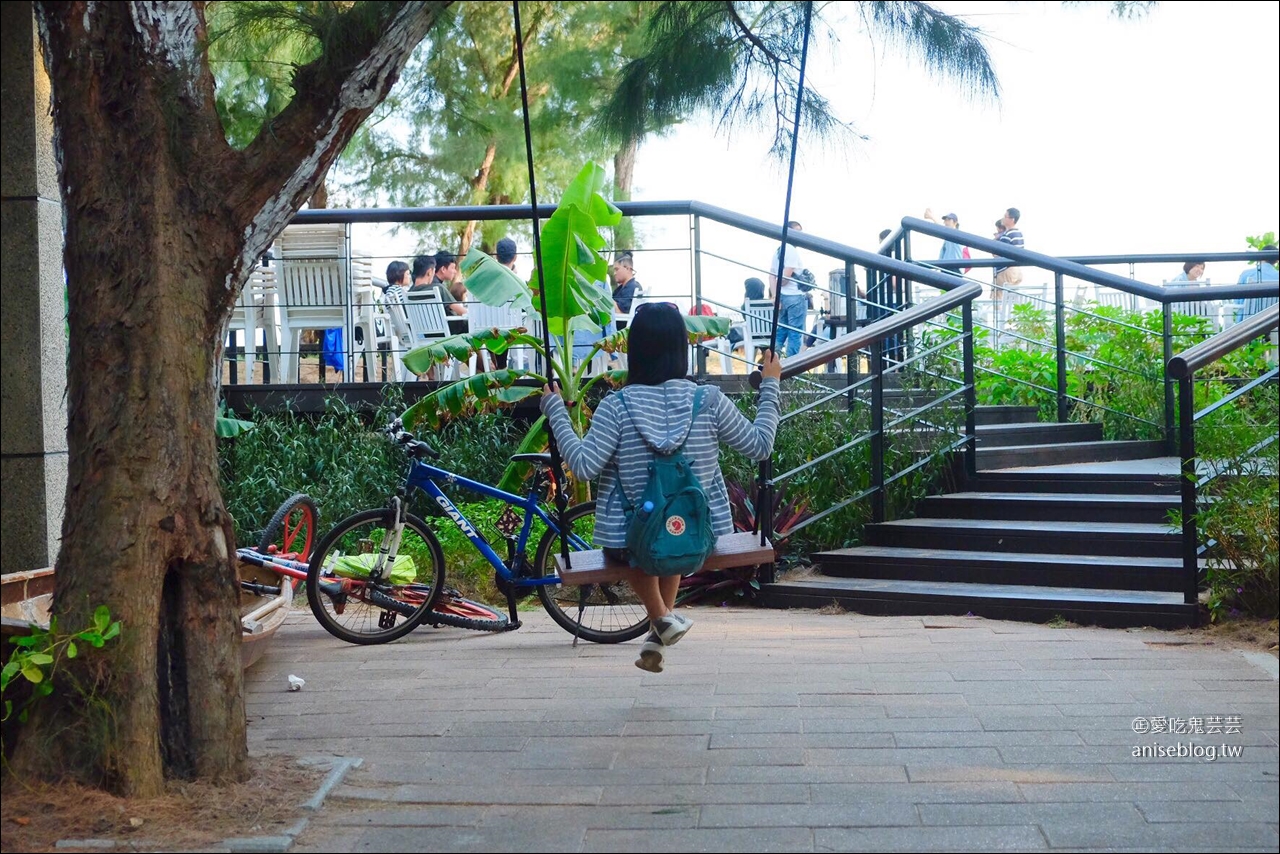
(163, 222)
(624, 168)
(478, 185)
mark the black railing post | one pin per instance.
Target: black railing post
(970, 395)
(764, 514)
(877, 430)
(697, 290)
(1060, 341)
(1187, 450)
(1170, 441)
(850, 321)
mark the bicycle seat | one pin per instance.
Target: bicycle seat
(540, 460)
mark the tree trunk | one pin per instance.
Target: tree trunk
(320, 198)
(163, 224)
(624, 168)
(478, 185)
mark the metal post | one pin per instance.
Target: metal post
(764, 514)
(1187, 450)
(970, 395)
(850, 314)
(348, 334)
(1060, 340)
(697, 290)
(1170, 441)
(877, 430)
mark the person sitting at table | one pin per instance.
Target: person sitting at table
(424, 274)
(1190, 275)
(753, 288)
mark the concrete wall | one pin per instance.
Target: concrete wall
(33, 341)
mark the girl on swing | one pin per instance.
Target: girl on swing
(658, 415)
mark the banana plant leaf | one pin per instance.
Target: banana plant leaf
(226, 425)
(493, 284)
(704, 328)
(587, 192)
(571, 262)
(480, 393)
(421, 359)
(534, 442)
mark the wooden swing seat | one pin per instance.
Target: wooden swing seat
(732, 550)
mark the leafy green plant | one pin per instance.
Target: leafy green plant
(41, 655)
(573, 273)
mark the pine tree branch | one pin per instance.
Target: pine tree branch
(367, 49)
(747, 33)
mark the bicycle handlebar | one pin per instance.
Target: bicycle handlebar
(400, 436)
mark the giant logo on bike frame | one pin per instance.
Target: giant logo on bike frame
(456, 517)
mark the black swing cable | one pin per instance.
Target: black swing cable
(764, 481)
(791, 176)
(557, 466)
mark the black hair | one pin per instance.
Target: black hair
(506, 251)
(1014, 214)
(422, 265)
(754, 288)
(793, 224)
(444, 259)
(396, 271)
(885, 234)
(1186, 268)
(657, 345)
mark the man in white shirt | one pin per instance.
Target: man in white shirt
(795, 303)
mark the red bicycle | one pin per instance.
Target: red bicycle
(285, 547)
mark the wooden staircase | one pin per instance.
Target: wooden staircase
(1033, 536)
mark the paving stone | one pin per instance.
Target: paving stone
(717, 839)
(815, 774)
(1130, 792)
(1083, 812)
(829, 814)
(1215, 836)
(1010, 838)
(1208, 811)
(710, 793)
(915, 793)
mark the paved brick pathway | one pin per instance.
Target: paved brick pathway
(776, 731)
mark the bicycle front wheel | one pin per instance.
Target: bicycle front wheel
(611, 613)
(353, 607)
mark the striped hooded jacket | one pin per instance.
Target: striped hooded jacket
(615, 451)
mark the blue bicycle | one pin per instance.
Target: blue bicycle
(377, 574)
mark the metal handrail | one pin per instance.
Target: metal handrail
(886, 327)
(1076, 270)
(1232, 338)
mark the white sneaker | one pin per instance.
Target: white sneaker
(671, 628)
(651, 655)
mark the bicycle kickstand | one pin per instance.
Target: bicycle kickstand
(582, 607)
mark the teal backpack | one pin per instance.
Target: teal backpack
(669, 528)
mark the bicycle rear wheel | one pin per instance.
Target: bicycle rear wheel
(356, 609)
(292, 529)
(612, 613)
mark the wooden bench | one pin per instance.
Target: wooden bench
(732, 550)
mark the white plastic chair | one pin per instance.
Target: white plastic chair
(428, 321)
(254, 310)
(1212, 310)
(757, 326)
(316, 293)
(1119, 299)
(503, 318)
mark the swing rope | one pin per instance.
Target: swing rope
(791, 176)
(557, 464)
(764, 481)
